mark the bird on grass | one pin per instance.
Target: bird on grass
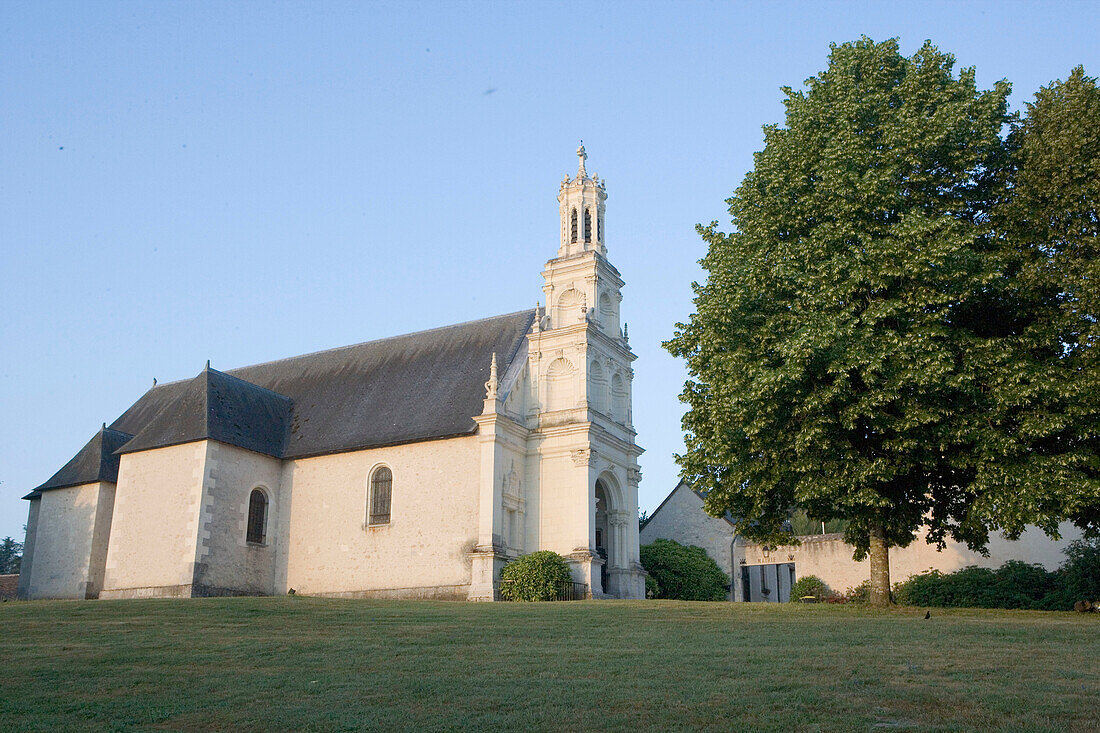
(928, 614)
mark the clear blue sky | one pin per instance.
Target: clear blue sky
(241, 182)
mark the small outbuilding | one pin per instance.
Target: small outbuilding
(764, 573)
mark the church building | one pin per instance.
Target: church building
(409, 467)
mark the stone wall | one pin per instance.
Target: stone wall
(155, 528)
(8, 586)
(26, 565)
(226, 562)
(69, 542)
(829, 558)
(332, 550)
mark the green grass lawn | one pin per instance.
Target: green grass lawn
(319, 664)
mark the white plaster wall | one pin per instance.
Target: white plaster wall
(827, 557)
(26, 566)
(227, 562)
(563, 517)
(433, 525)
(156, 522)
(681, 518)
(101, 537)
(63, 543)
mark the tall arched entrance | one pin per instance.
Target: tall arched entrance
(609, 533)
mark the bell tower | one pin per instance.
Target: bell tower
(580, 203)
(559, 465)
(580, 285)
(581, 417)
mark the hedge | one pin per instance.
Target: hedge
(683, 572)
(540, 576)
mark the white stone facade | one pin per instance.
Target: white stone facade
(551, 465)
(559, 460)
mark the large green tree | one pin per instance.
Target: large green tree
(1049, 216)
(861, 347)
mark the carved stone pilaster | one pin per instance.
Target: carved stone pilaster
(619, 518)
(584, 457)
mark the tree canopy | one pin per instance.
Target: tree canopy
(11, 555)
(865, 346)
(1050, 220)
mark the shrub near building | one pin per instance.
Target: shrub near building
(1013, 585)
(683, 572)
(540, 576)
(807, 587)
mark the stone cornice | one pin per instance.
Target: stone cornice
(583, 261)
(567, 336)
(599, 433)
(502, 424)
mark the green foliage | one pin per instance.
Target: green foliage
(1081, 570)
(651, 589)
(860, 593)
(826, 372)
(683, 572)
(809, 585)
(1052, 222)
(875, 341)
(539, 576)
(923, 589)
(802, 524)
(1014, 585)
(11, 555)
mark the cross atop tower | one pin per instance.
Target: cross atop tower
(581, 204)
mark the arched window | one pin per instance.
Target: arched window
(573, 226)
(599, 229)
(257, 517)
(381, 482)
(588, 225)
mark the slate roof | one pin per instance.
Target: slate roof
(420, 386)
(96, 461)
(222, 407)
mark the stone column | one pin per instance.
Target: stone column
(487, 557)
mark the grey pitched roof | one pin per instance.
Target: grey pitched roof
(96, 461)
(419, 386)
(221, 407)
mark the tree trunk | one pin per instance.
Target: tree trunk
(880, 566)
